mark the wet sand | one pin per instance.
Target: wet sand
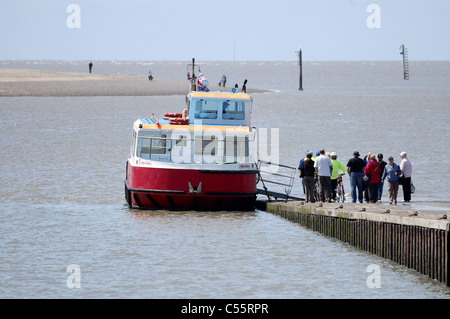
(27, 82)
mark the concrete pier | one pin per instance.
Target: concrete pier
(416, 238)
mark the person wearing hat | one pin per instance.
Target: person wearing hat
(308, 174)
(373, 169)
(381, 183)
(406, 167)
(392, 173)
(300, 165)
(355, 168)
(324, 167)
(337, 166)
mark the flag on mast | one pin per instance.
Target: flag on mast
(202, 81)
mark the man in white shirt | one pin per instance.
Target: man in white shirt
(406, 168)
(324, 167)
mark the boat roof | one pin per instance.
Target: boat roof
(219, 94)
(223, 125)
(151, 124)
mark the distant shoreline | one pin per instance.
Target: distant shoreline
(31, 82)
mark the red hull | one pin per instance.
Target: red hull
(190, 189)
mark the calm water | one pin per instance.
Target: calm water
(63, 163)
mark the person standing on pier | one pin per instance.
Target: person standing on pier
(406, 168)
(307, 172)
(300, 165)
(373, 169)
(324, 167)
(355, 168)
(90, 67)
(365, 184)
(337, 166)
(381, 183)
(392, 173)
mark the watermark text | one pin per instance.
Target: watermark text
(374, 19)
(74, 279)
(73, 21)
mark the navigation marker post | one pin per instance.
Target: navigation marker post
(300, 79)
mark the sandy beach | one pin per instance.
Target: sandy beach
(28, 82)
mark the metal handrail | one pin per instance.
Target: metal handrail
(287, 182)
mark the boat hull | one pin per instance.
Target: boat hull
(191, 189)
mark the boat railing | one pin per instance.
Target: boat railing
(183, 150)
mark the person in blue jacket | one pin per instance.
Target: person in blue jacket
(392, 173)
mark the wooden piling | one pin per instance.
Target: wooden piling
(420, 243)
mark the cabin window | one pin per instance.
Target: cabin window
(133, 143)
(206, 145)
(233, 110)
(206, 109)
(159, 145)
(236, 149)
(147, 146)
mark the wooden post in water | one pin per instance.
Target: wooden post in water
(300, 79)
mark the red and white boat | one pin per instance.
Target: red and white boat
(203, 158)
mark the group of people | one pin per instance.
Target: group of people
(367, 176)
(325, 168)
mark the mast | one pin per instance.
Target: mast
(193, 77)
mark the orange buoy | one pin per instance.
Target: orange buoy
(178, 121)
(167, 116)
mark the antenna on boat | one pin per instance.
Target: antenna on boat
(193, 77)
(234, 61)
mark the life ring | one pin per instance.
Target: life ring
(173, 115)
(178, 121)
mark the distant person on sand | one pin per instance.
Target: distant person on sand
(244, 87)
(90, 67)
(150, 76)
(223, 81)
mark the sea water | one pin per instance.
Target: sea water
(67, 232)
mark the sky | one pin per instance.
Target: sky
(213, 30)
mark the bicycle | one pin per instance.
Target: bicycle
(316, 193)
(340, 190)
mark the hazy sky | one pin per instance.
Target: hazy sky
(224, 30)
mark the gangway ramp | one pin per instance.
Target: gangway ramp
(276, 180)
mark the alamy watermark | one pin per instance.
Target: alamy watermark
(73, 21)
(374, 19)
(374, 279)
(74, 279)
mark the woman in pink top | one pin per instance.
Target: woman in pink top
(373, 168)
